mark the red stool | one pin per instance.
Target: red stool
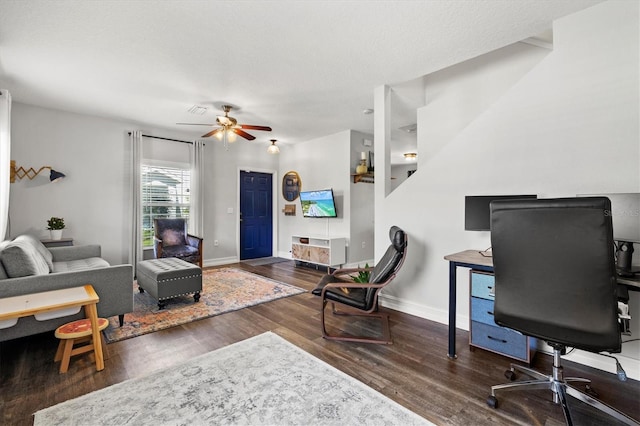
(73, 333)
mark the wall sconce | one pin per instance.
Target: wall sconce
(31, 173)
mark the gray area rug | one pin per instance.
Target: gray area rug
(264, 380)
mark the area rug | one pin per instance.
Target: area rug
(264, 380)
(223, 290)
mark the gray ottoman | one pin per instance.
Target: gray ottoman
(169, 277)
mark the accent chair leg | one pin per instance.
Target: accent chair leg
(121, 319)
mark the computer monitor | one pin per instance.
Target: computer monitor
(477, 214)
(625, 217)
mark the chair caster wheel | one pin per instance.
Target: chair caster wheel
(492, 401)
(510, 375)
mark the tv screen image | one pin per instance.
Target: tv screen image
(318, 203)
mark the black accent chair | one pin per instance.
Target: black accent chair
(172, 240)
(362, 298)
(555, 279)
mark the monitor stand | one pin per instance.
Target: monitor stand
(624, 254)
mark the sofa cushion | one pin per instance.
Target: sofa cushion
(20, 258)
(46, 254)
(80, 264)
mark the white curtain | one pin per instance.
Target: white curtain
(5, 159)
(196, 212)
(135, 250)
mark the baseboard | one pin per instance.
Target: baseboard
(220, 261)
(438, 315)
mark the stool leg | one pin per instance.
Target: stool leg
(66, 356)
(105, 352)
(58, 356)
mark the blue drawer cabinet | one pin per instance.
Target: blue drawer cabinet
(484, 332)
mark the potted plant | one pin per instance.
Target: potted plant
(55, 225)
(363, 276)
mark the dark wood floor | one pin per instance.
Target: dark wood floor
(414, 371)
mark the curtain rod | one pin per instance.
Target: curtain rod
(164, 139)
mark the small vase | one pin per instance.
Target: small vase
(56, 234)
(362, 167)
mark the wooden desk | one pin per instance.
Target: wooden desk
(55, 304)
(474, 260)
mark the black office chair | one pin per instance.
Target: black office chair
(362, 298)
(555, 279)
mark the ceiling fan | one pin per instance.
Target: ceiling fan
(229, 127)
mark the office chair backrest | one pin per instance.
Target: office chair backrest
(555, 271)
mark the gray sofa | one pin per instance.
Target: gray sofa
(26, 266)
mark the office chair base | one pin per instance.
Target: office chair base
(560, 388)
(384, 320)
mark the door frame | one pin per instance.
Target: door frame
(274, 206)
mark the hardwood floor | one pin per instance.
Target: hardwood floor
(414, 371)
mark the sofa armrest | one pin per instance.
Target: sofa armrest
(113, 284)
(65, 254)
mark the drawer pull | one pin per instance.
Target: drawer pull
(490, 313)
(497, 340)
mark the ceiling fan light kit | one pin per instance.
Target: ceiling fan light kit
(229, 128)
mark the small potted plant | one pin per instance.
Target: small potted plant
(363, 276)
(55, 225)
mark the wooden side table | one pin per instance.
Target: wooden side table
(55, 304)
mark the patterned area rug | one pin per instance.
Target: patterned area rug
(223, 290)
(264, 380)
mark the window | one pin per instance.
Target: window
(165, 193)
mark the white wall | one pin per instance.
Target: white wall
(362, 212)
(570, 126)
(321, 163)
(94, 198)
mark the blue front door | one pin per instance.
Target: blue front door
(256, 215)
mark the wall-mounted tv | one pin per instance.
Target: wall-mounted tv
(477, 215)
(318, 203)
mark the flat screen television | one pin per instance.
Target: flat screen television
(318, 203)
(477, 214)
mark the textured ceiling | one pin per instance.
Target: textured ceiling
(305, 68)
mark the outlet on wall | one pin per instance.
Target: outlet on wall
(363, 244)
(216, 243)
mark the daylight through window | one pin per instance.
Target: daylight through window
(165, 194)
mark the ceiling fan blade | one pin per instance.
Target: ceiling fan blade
(197, 124)
(252, 127)
(243, 134)
(211, 133)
